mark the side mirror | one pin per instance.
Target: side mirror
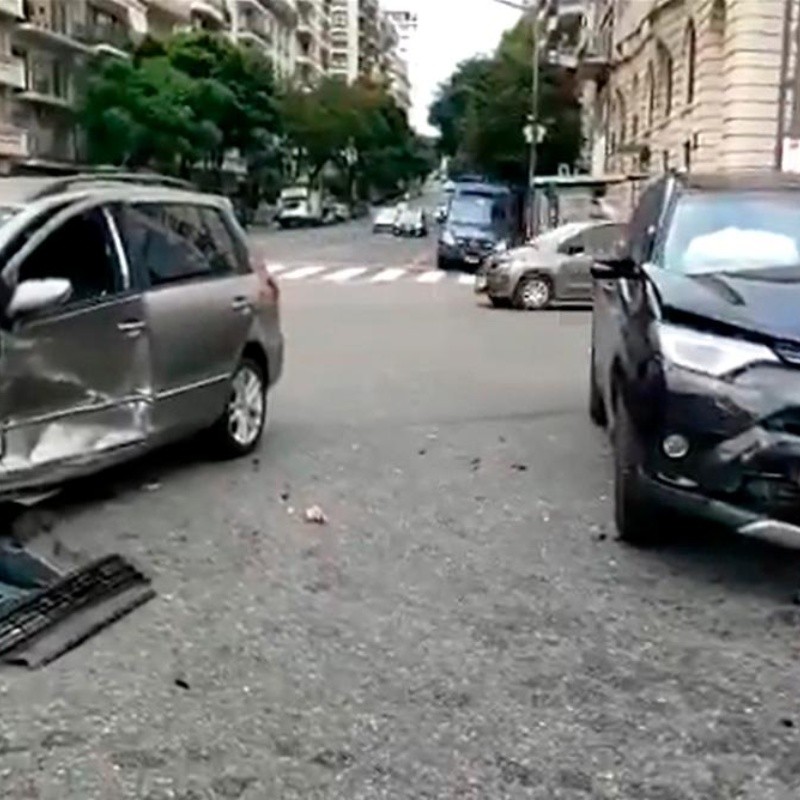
(38, 295)
(614, 268)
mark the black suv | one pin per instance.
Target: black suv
(695, 364)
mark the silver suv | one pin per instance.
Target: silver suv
(130, 314)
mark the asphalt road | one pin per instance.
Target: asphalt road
(465, 626)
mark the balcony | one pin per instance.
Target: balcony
(47, 89)
(113, 40)
(12, 8)
(211, 12)
(283, 9)
(254, 30)
(14, 142)
(55, 34)
(12, 72)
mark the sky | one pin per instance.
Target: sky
(449, 31)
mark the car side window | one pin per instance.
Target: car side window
(604, 240)
(228, 256)
(574, 245)
(641, 231)
(94, 274)
(162, 243)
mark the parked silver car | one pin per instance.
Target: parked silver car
(554, 266)
(131, 314)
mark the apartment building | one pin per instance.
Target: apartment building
(355, 38)
(399, 81)
(688, 84)
(271, 27)
(313, 40)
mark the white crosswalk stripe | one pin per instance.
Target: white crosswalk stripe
(302, 272)
(432, 276)
(342, 275)
(388, 274)
(274, 269)
(466, 280)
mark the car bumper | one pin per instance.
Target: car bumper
(275, 354)
(742, 468)
(460, 257)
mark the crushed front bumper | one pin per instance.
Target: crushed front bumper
(742, 468)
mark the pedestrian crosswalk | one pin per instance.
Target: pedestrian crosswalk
(367, 275)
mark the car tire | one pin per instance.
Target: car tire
(597, 406)
(533, 293)
(637, 521)
(443, 263)
(241, 426)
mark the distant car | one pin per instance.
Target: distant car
(441, 213)
(554, 266)
(411, 222)
(341, 212)
(384, 220)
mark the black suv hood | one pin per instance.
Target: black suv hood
(765, 302)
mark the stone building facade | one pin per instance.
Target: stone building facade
(686, 84)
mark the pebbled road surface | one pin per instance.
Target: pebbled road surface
(466, 624)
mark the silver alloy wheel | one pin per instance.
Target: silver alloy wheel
(535, 293)
(247, 406)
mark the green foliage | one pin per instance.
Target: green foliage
(178, 104)
(357, 130)
(188, 101)
(483, 110)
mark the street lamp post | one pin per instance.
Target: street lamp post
(532, 131)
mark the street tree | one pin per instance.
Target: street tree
(485, 108)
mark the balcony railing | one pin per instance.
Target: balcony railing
(114, 38)
(12, 72)
(56, 32)
(13, 8)
(14, 142)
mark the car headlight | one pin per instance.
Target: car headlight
(448, 239)
(501, 247)
(709, 354)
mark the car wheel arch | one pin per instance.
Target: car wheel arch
(255, 351)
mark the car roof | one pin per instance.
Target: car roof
(476, 187)
(18, 190)
(751, 180)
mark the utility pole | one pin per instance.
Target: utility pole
(534, 12)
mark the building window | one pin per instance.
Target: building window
(691, 59)
(665, 77)
(651, 95)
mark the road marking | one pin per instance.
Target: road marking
(303, 272)
(343, 275)
(432, 276)
(275, 268)
(466, 280)
(390, 274)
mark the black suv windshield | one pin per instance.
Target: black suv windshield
(732, 232)
(472, 210)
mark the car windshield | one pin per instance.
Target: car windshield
(472, 210)
(733, 232)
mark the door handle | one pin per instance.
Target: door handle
(131, 328)
(240, 304)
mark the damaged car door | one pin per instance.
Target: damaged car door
(74, 369)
